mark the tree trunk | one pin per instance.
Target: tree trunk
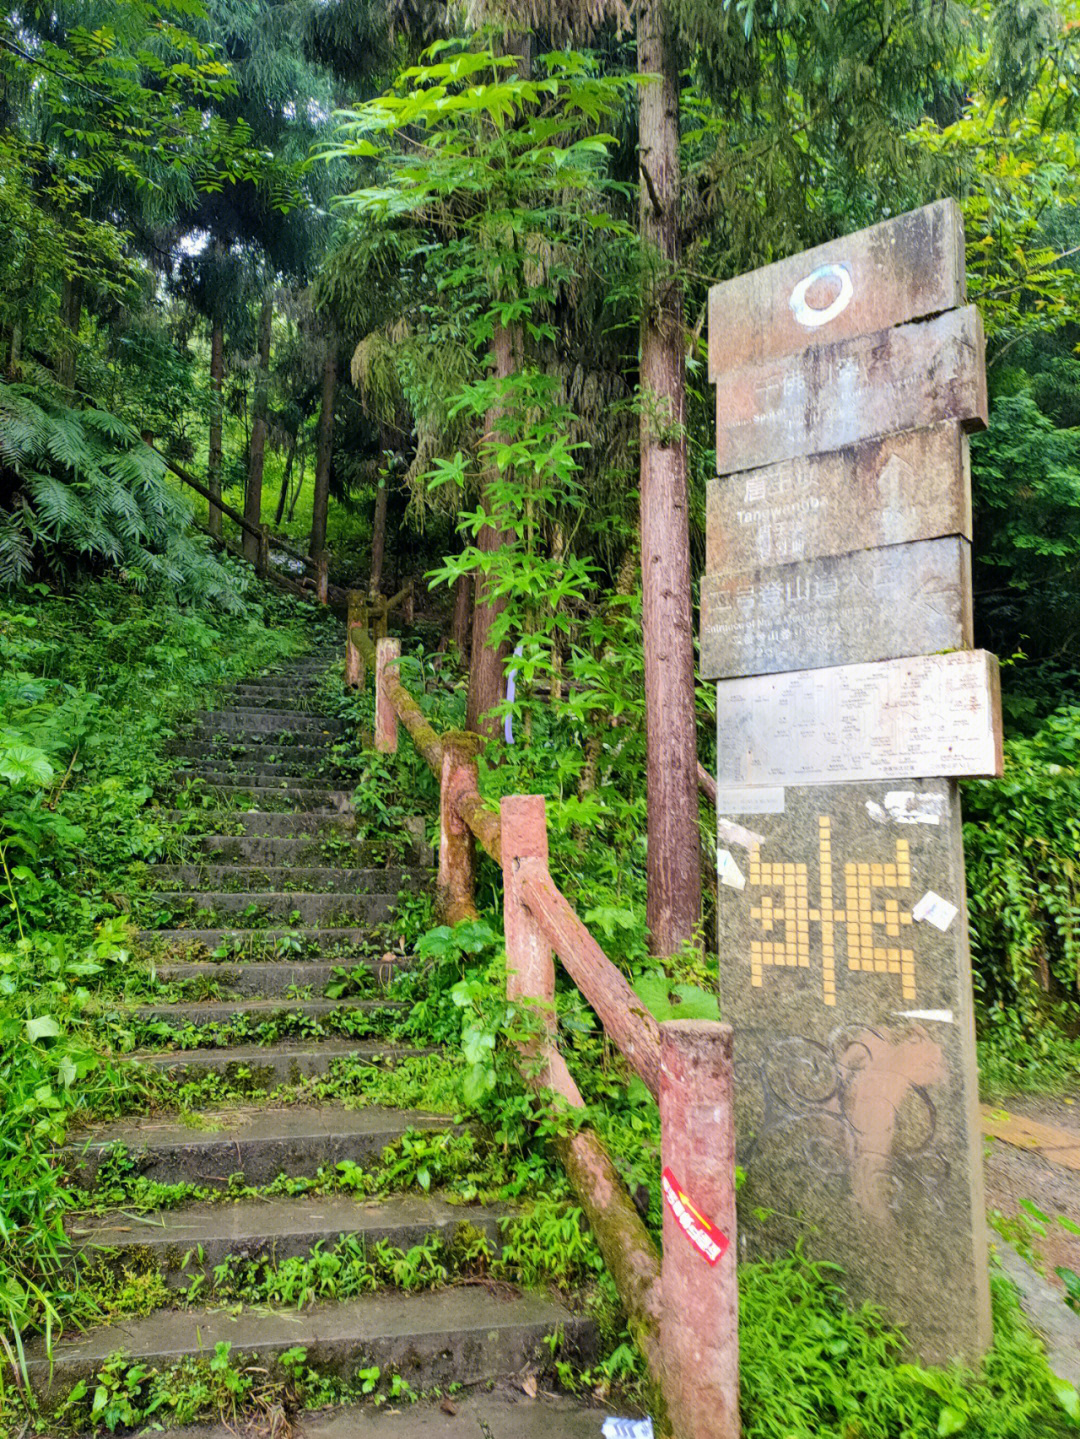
(324, 453)
(217, 382)
(15, 353)
(257, 455)
(378, 537)
(674, 847)
(486, 664)
(459, 625)
(71, 300)
(299, 482)
(286, 477)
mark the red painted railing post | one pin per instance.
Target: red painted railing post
(322, 578)
(457, 850)
(530, 964)
(386, 652)
(354, 660)
(699, 1326)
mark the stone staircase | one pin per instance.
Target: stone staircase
(274, 896)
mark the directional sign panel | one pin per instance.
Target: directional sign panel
(903, 269)
(839, 394)
(844, 609)
(912, 486)
(907, 718)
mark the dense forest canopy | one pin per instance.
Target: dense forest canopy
(418, 292)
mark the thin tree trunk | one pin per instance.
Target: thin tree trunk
(257, 456)
(378, 536)
(674, 850)
(299, 483)
(71, 300)
(286, 477)
(15, 353)
(217, 383)
(486, 664)
(459, 625)
(324, 453)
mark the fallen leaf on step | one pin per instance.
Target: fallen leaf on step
(447, 1406)
(529, 1385)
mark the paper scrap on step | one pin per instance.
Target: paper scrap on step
(728, 871)
(627, 1429)
(932, 909)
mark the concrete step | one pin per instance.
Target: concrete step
(229, 878)
(270, 978)
(247, 909)
(260, 718)
(268, 775)
(210, 1011)
(324, 942)
(273, 697)
(266, 1066)
(271, 1230)
(265, 799)
(463, 1335)
(289, 851)
(249, 755)
(230, 824)
(259, 740)
(507, 1413)
(258, 1142)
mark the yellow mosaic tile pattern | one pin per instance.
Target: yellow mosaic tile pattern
(785, 916)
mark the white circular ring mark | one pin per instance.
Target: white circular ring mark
(806, 314)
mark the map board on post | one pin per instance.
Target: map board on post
(836, 618)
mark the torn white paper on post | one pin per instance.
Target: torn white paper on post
(934, 910)
(737, 834)
(939, 1016)
(910, 806)
(728, 871)
(614, 1428)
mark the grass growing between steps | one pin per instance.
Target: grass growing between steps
(91, 686)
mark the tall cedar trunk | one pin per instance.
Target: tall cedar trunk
(299, 482)
(217, 383)
(459, 625)
(15, 353)
(253, 493)
(324, 452)
(71, 300)
(378, 537)
(283, 494)
(486, 664)
(674, 849)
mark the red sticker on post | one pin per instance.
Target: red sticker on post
(702, 1233)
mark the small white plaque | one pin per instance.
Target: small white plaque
(917, 718)
(753, 800)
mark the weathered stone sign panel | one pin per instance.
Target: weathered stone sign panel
(928, 715)
(891, 491)
(870, 605)
(840, 393)
(836, 616)
(856, 1084)
(900, 270)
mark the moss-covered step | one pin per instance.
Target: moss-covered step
(323, 942)
(239, 878)
(265, 721)
(254, 1141)
(271, 1230)
(185, 1014)
(270, 978)
(259, 1067)
(463, 1335)
(247, 909)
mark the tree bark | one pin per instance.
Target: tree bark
(459, 625)
(253, 493)
(15, 352)
(324, 452)
(71, 302)
(299, 482)
(674, 849)
(486, 663)
(378, 537)
(283, 494)
(217, 383)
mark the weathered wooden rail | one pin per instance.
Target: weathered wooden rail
(683, 1307)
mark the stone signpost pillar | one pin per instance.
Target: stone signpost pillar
(836, 618)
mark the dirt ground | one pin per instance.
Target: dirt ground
(1032, 1148)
